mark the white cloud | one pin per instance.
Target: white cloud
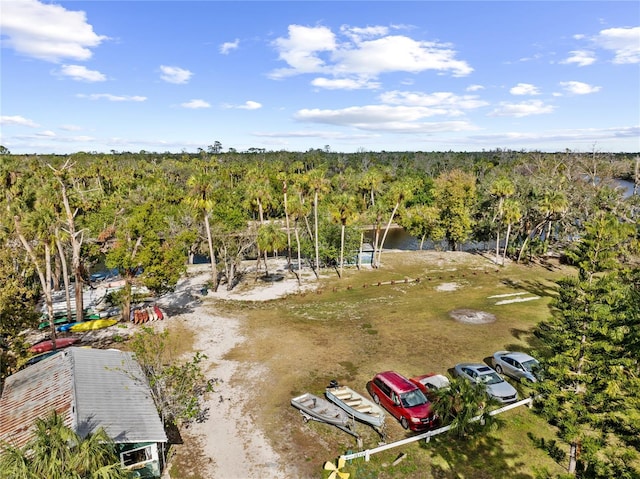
(47, 31)
(398, 53)
(17, 121)
(586, 135)
(452, 104)
(226, 47)
(357, 34)
(46, 134)
(397, 119)
(71, 127)
(175, 74)
(81, 73)
(250, 105)
(110, 97)
(300, 50)
(360, 55)
(474, 87)
(519, 110)
(524, 89)
(344, 83)
(195, 104)
(580, 57)
(624, 42)
(579, 88)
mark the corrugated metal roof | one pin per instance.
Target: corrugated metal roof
(91, 388)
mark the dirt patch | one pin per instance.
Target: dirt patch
(447, 287)
(471, 316)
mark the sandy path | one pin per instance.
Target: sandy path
(233, 446)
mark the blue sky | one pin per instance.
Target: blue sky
(354, 76)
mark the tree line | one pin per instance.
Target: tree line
(146, 214)
(149, 214)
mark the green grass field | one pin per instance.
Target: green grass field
(354, 327)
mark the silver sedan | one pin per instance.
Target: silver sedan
(516, 365)
(496, 386)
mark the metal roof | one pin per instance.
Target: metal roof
(90, 388)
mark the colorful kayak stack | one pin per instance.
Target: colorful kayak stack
(149, 313)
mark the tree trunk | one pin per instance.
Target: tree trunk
(506, 243)
(341, 250)
(299, 254)
(48, 296)
(76, 238)
(315, 219)
(212, 254)
(65, 277)
(360, 250)
(636, 177)
(126, 297)
(498, 246)
(306, 220)
(526, 240)
(44, 277)
(573, 458)
(376, 238)
(384, 237)
(287, 225)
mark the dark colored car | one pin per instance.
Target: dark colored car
(403, 399)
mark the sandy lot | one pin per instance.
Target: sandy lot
(231, 444)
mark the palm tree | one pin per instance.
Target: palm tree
(553, 204)
(458, 404)
(319, 184)
(343, 211)
(57, 452)
(200, 197)
(260, 194)
(270, 240)
(512, 213)
(501, 188)
(400, 192)
(298, 210)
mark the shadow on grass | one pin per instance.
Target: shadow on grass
(538, 288)
(480, 457)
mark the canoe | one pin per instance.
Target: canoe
(356, 405)
(93, 325)
(65, 320)
(67, 327)
(45, 324)
(39, 357)
(319, 409)
(47, 345)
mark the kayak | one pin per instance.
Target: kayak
(93, 324)
(67, 327)
(45, 324)
(39, 357)
(47, 345)
(64, 320)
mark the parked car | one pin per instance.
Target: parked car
(429, 383)
(403, 399)
(496, 386)
(516, 365)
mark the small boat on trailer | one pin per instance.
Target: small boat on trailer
(356, 405)
(319, 409)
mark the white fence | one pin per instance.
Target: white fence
(427, 435)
